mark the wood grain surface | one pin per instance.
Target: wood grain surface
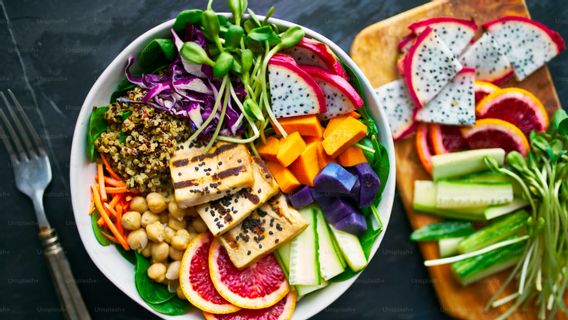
(375, 51)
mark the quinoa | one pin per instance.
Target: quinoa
(139, 142)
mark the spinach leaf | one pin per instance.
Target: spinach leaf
(381, 166)
(156, 53)
(130, 256)
(172, 307)
(187, 17)
(125, 115)
(103, 241)
(97, 125)
(123, 87)
(150, 291)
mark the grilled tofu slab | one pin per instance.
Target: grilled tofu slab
(225, 213)
(270, 226)
(200, 178)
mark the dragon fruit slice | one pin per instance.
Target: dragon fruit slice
(340, 96)
(406, 42)
(526, 43)
(428, 67)
(455, 104)
(314, 53)
(489, 64)
(293, 92)
(455, 33)
(395, 101)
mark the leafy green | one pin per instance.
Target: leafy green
(103, 241)
(262, 34)
(97, 125)
(123, 87)
(442, 230)
(156, 53)
(172, 307)
(150, 291)
(130, 256)
(187, 17)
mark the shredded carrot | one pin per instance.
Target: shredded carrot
(114, 183)
(128, 198)
(108, 236)
(119, 218)
(98, 203)
(101, 222)
(100, 178)
(91, 207)
(109, 169)
(115, 200)
(115, 190)
(111, 210)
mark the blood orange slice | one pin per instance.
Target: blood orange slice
(195, 280)
(483, 89)
(280, 311)
(496, 133)
(444, 139)
(258, 286)
(423, 147)
(517, 106)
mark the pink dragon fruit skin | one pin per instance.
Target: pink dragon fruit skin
(489, 63)
(455, 33)
(293, 92)
(340, 96)
(526, 43)
(314, 53)
(428, 67)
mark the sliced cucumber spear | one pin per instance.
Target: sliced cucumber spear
(351, 249)
(330, 259)
(455, 164)
(443, 230)
(304, 265)
(512, 225)
(448, 247)
(457, 194)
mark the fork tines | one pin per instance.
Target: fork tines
(18, 143)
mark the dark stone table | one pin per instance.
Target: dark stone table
(56, 50)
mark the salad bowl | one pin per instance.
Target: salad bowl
(117, 269)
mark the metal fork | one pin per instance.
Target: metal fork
(32, 173)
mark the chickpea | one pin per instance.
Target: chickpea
(176, 224)
(179, 293)
(198, 225)
(156, 202)
(180, 241)
(164, 218)
(155, 231)
(169, 198)
(131, 220)
(160, 251)
(169, 233)
(176, 211)
(157, 272)
(176, 254)
(137, 239)
(138, 204)
(147, 252)
(148, 218)
(173, 271)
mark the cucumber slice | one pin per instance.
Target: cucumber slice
(511, 225)
(455, 164)
(476, 268)
(490, 176)
(425, 193)
(350, 248)
(304, 290)
(283, 256)
(448, 247)
(498, 211)
(304, 266)
(442, 230)
(330, 260)
(457, 194)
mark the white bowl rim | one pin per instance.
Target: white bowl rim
(311, 304)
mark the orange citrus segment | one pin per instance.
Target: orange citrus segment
(422, 147)
(496, 133)
(283, 310)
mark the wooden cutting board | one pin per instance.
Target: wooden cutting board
(375, 51)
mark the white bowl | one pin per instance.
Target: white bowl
(82, 172)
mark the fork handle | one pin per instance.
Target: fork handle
(67, 291)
